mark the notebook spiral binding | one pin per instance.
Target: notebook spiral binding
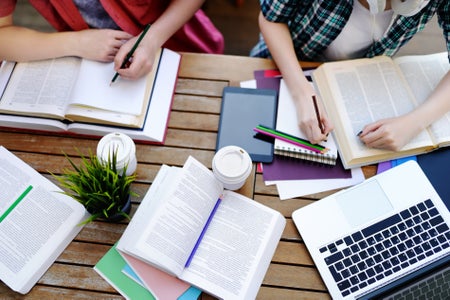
(299, 153)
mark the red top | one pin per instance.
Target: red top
(197, 35)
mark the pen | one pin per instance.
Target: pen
(316, 108)
(130, 54)
(290, 139)
(203, 232)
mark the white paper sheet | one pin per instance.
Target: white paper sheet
(288, 189)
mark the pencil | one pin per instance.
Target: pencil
(290, 139)
(130, 54)
(287, 140)
(289, 136)
(316, 108)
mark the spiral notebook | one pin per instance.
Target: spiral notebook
(287, 122)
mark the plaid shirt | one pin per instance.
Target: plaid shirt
(314, 24)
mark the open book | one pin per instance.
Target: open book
(74, 95)
(358, 92)
(227, 258)
(287, 122)
(36, 223)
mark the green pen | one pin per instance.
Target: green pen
(130, 54)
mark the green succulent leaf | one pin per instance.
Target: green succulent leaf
(99, 186)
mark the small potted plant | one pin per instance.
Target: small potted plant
(98, 185)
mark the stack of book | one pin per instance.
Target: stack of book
(194, 232)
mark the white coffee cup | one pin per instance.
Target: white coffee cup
(232, 165)
(125, 148)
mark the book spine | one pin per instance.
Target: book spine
(307, 155)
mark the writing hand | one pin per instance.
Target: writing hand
(309, 125)
(100, 44)
(141, 61)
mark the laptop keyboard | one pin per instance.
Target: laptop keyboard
(434, 287)
(387, 247)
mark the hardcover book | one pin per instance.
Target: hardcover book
(74, 95)
(361, 91)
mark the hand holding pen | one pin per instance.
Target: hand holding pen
(131, 65)
(312, 119)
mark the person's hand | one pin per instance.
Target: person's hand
(141, 61)
(100, 44)
(308, 123)
(391, 134)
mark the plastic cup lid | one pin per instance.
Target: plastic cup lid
(232, 162)
(118, 142)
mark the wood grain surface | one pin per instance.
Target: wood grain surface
(192, 131)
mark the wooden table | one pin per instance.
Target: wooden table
(192, 131)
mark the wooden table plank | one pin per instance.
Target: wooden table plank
(50, 292)
(270, 293)
(226, 67)
(192, 131)
(291, 276)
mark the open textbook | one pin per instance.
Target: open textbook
(227, 258)
(37, 222)
(358, 92)
(74, 95)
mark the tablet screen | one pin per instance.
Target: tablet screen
(242, 110)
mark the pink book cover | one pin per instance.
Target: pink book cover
(162, 285)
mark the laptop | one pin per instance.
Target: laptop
(385, 235)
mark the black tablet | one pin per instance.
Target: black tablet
(242, 110)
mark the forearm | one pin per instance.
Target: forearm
(178, 13)
(281, 47)
(437, 104)
(394, 133)
(22, 44)
(279, 42)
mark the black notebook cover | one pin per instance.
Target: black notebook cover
(436, 165)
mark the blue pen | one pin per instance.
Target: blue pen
(203, 233)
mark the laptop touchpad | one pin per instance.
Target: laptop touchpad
(363, 203)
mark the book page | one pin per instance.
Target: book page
(40, 88)
(36, 222)
(423, 73)
(359, 92)
(95, 111)
(93, 89)
(237, 248)
(164, 232)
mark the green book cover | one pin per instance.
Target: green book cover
(110, 268)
